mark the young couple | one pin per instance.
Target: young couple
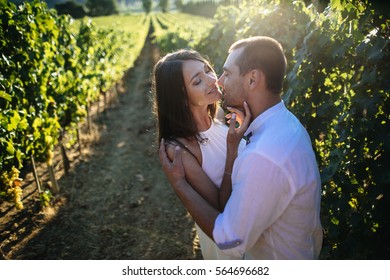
(253, 199)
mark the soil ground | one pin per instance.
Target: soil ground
(115, 203)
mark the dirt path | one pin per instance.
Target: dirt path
(116, 202)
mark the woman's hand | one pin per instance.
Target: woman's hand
(174, 170)
(235, 134)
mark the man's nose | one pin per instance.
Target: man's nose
(212, 79)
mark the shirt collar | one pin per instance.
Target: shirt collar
(260, 119)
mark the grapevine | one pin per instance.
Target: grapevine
(52, 69)
(11, 187)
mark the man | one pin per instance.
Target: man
(274, 208)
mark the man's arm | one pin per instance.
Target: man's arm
(201, 211)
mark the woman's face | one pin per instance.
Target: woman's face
(201, 83)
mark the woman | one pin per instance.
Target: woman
(186, 97)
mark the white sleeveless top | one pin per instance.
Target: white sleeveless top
(213, 149)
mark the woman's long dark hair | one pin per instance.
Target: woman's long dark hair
(170, 99)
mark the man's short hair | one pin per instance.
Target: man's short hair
(265, 54)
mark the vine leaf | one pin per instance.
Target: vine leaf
(6, 96)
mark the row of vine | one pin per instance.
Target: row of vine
(178, 30)
(51, 70)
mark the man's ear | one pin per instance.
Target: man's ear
(255, 77)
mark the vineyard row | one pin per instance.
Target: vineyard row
(52, 69)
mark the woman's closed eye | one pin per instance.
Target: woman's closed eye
(197, 82)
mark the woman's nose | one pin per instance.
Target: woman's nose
(220, 81)
(212, 79)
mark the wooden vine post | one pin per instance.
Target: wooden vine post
(79, 141)
(88, 118)
(65, 158)
(53, 179)
(36, 175)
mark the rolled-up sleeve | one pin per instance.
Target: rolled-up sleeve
(226, 239)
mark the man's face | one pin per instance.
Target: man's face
(232, 82)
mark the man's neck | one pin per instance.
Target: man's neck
(260, 106)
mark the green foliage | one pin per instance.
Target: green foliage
(147, 5)
(176, 31)
(338, 88)
(29, 126)
(49, 73)
(163, 4)
(179, 4)
(72, 8)
(205, 8)
(45, 198)
(99, 8)
(200, 8)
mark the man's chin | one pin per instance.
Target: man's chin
(225, 103)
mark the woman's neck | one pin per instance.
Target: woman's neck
(202, 119)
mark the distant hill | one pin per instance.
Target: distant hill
(136, 4)
(51, 3)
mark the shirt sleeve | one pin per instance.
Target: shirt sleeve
(261, 193)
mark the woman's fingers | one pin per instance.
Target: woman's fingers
(174, 170)
(239, 114)
(163, 153)
(247, 118)
(232, 123)
(177, 161)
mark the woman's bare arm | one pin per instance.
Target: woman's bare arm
(233, 140)
(196, 177)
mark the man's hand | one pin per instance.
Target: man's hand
(174, 170)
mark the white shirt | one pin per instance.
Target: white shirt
(274, 209)
(213, 164)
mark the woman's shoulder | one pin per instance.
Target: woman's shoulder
(189, 146)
